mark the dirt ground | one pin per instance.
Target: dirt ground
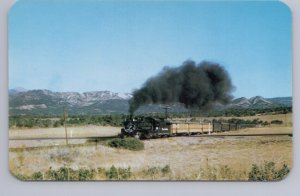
(73, 132)
(80, 131)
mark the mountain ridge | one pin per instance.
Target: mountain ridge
(46, 102)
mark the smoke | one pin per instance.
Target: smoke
(194, 85)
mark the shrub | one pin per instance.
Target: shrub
(267, 172)
(265, 123)
(37, 176)
(85, 174)
(66, 173)
(112, 173)
(152, 171)
(277, 122)
(124, 173)
(156, 172)
(118, 173)
(127, 143)
(165, 170)
(59, 175)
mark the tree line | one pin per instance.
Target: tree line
(19, 121)
(47, 122)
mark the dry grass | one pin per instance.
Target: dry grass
(228, 158)
(189, 158)
(287, 119)
(271, 130)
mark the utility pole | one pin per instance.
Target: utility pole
(166, 111)
(65, 124)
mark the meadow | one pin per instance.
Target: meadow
(173, 158)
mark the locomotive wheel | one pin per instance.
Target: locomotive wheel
(146, 136)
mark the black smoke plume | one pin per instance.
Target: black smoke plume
(194, 85)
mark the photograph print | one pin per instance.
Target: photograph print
(150, 90)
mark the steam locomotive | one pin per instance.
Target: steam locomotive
(150, 127)
(146, 127)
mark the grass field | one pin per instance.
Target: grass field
(175, 158)
(287, 119)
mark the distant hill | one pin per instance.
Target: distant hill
(17, 90)
(285, 101)
(45, 102)
(260, 102)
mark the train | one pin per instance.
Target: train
(152, 127)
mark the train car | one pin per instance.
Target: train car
(149, 127)
(190, 128)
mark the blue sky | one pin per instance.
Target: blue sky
(92, 45)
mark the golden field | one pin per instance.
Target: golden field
(186, 158)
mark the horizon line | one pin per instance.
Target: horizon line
(81, 92)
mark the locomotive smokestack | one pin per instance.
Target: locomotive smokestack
(194, 85)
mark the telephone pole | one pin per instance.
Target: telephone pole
(65, 125)
(166, 111)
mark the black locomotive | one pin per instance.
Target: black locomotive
(150, 127)
(146, 127)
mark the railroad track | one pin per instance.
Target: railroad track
(246, 135)
(202, 135)
(69, 138)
